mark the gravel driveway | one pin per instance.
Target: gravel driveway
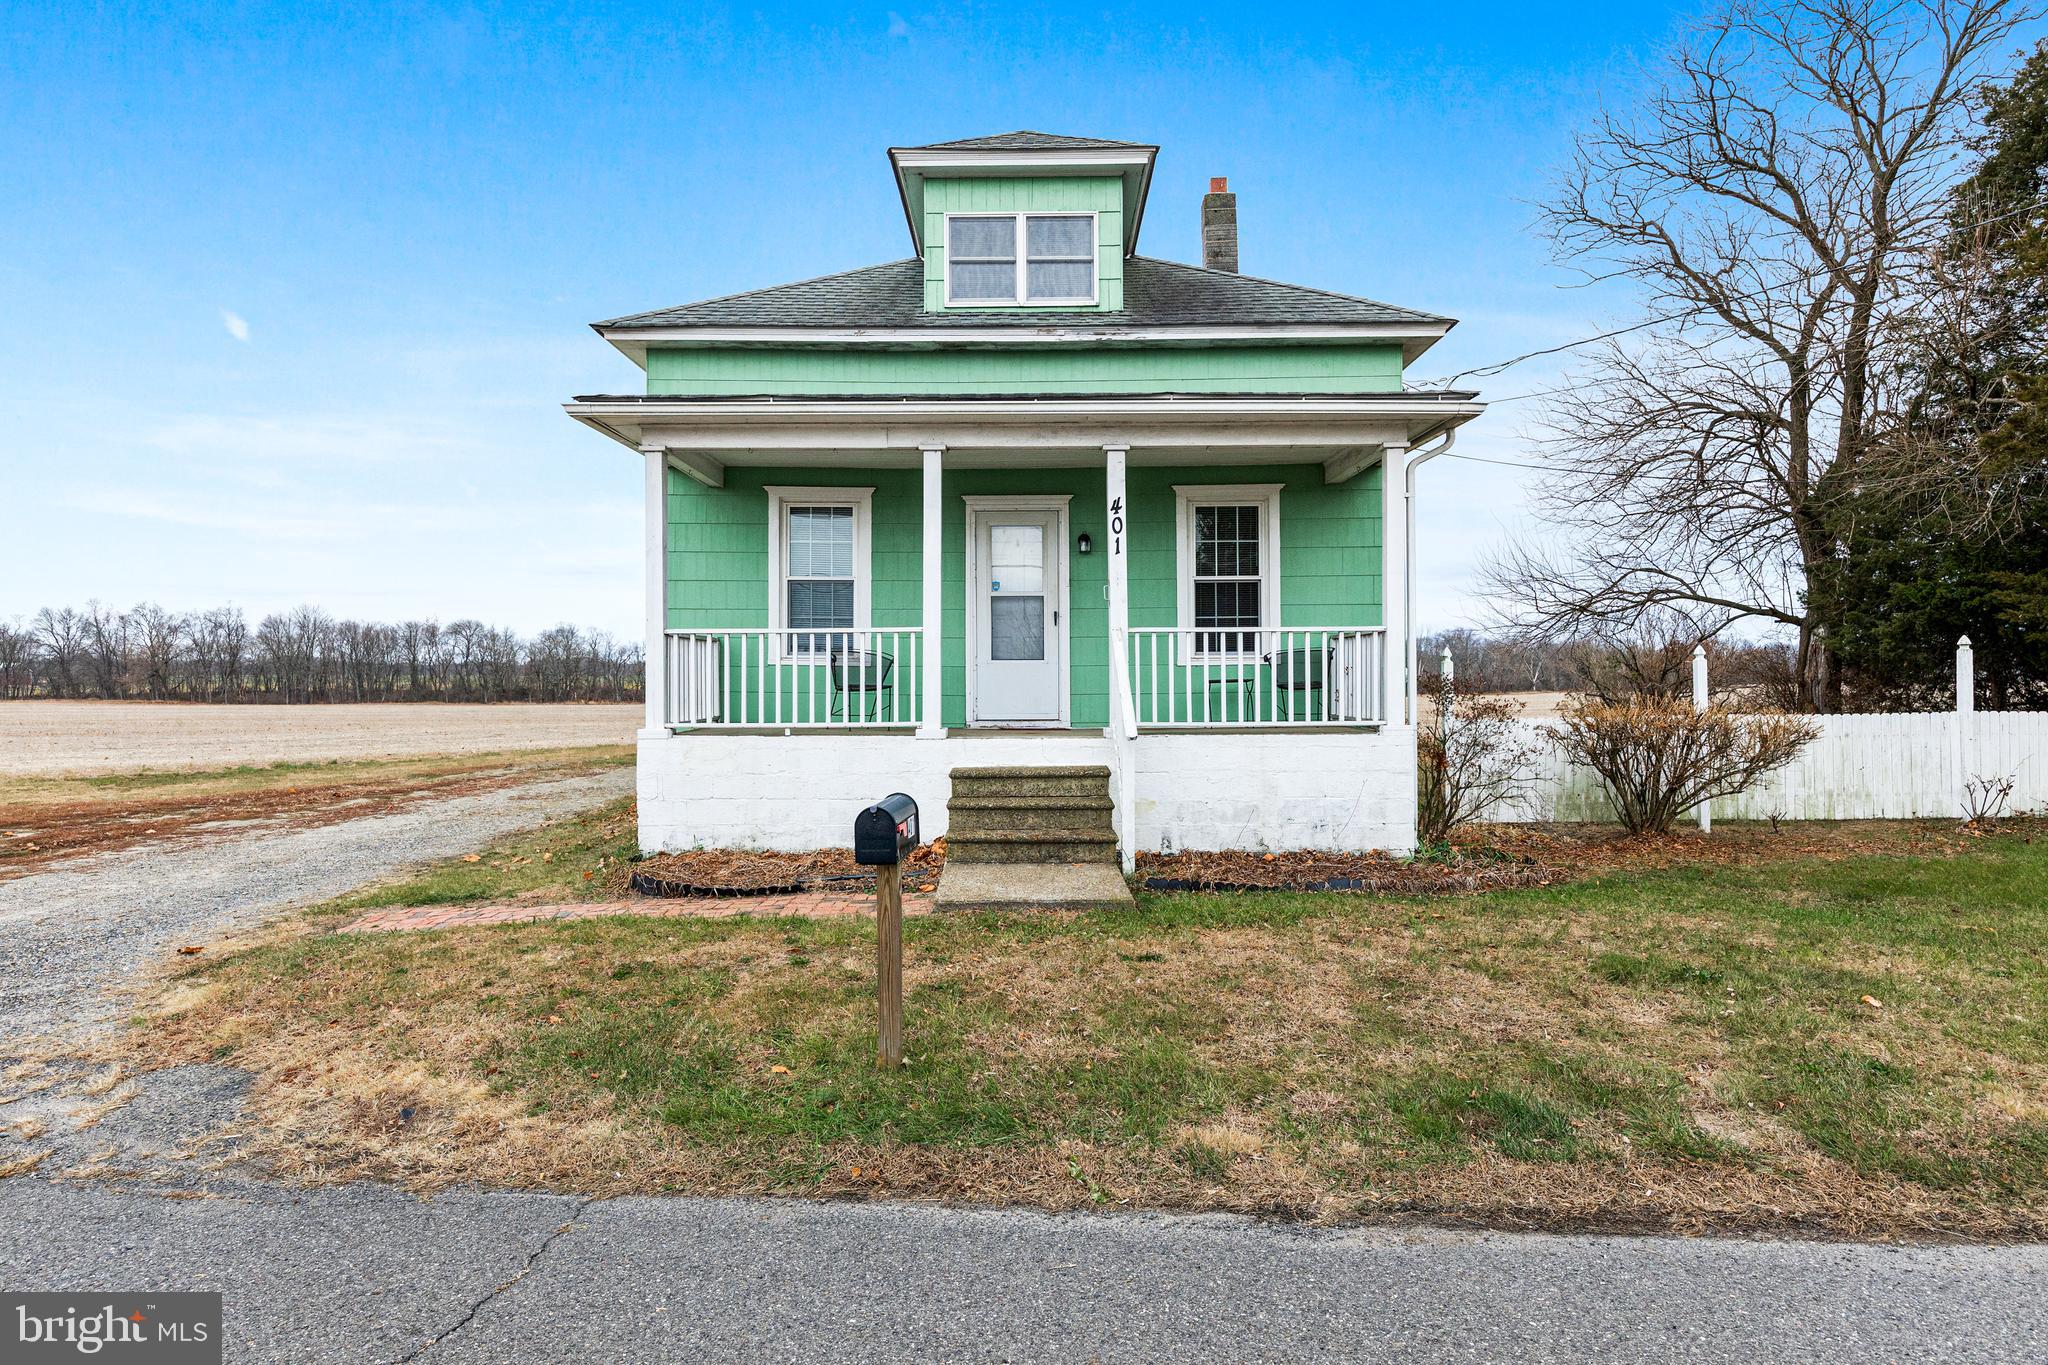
(69, 933)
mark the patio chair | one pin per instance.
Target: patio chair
(1298, 678)
(860, 671)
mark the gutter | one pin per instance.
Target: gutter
(1450, 439)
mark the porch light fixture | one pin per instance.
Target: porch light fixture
(1085, 544)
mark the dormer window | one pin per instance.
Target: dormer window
(1056, 266)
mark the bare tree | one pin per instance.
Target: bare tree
(1774, 200)
(59, 638)
(159, 637)
(17, 660)
(106, 648)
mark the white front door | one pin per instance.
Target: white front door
(1018, 593)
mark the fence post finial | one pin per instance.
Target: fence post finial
(1450, 670)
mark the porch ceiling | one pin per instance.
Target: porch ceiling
(1035, 433)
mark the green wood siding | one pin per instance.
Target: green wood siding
(1350, 368)
(718, 545)
(718, 571)
(1329, 543)
(1102, 195)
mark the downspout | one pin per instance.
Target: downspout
(1415, 458)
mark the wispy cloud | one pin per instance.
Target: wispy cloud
(322, 437)
(237, 325)
(898, 28)
(268, 518)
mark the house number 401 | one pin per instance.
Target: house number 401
(1116, 526)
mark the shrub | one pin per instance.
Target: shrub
(1474, 755)
(1658, 758)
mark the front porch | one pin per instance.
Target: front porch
(836, 611)
(1350, 789)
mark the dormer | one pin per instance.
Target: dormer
(1024, 221)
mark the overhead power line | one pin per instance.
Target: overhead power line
(1485, 371)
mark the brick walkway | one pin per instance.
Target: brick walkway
(807, 904)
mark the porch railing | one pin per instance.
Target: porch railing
(1255, 678)
(796, 679)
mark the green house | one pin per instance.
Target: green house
(1028, 500)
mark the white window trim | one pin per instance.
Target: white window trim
(1188, 496)
(1018, 298)
(781, 497)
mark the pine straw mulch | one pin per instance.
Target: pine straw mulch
(750, 872)
(1498, 857)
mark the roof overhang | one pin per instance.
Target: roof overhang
(915, 165)
(1343, 431)
(1414, 337)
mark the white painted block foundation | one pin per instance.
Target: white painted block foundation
(1351, 790)
(1328, 790)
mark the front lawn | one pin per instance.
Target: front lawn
(1854, 1044)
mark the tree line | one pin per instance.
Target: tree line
(1652, 661)
(1823, 412)
(148, 653)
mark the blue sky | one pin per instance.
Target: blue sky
(290, 295)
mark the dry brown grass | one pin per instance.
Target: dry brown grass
(1684, 1049)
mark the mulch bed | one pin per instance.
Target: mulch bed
(1487, 858)
(747, 872)
(1240, 870)
(1496, 857)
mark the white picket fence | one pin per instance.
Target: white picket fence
(1864, 767)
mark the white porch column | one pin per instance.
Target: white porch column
(1394, 514)
(656, 498)
(1114, 458)
(933, 726)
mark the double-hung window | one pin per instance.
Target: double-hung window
(1229, 566)
(1015, 258)
(818, 549)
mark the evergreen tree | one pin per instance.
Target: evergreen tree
(1949, 535)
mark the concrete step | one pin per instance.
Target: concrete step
(970, 815)
(1011, 886)
(1031, 846)
(1096, 770)
(996, 782)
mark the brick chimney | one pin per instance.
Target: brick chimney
(1219, 226)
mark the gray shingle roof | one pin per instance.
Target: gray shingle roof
(1024, 140)
(1156, 294)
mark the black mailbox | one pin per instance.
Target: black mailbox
(885, 831)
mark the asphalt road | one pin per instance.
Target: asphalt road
(366, 1274)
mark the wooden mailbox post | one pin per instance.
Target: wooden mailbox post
(882, 834)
